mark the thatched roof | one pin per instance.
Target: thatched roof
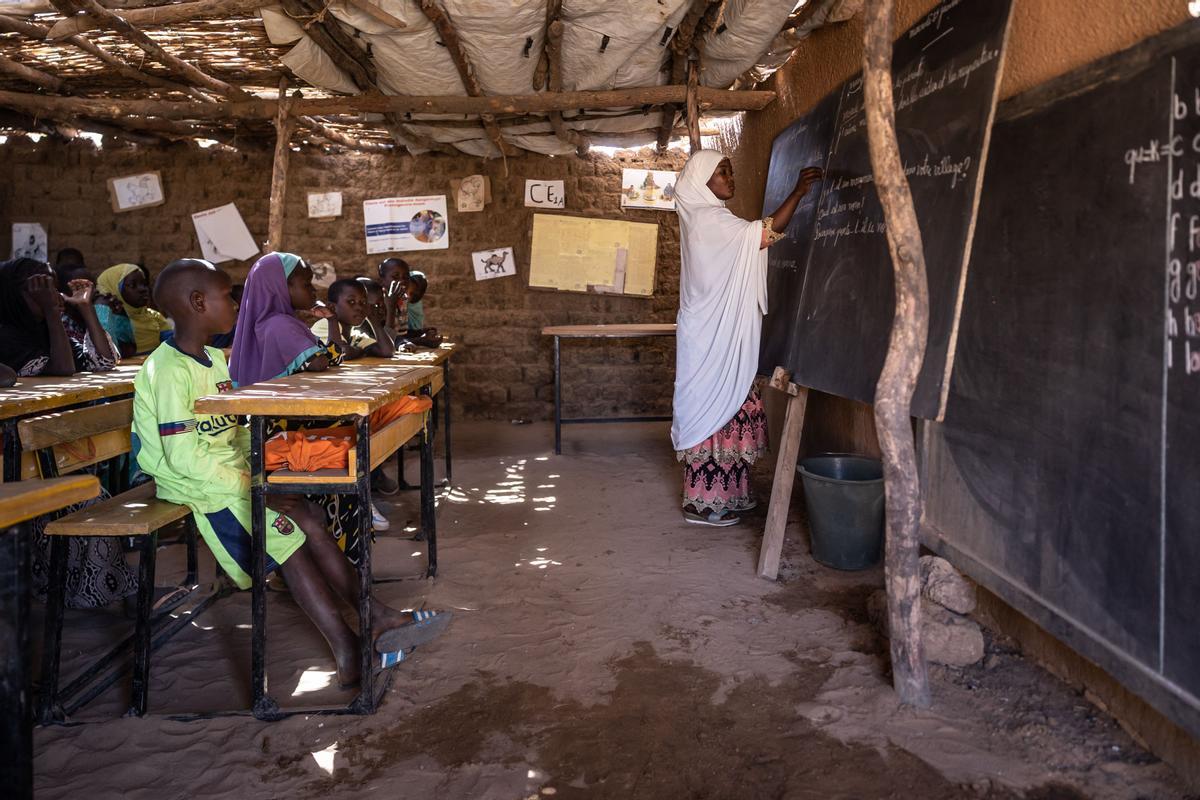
(483, 77)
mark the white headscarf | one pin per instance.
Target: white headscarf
(722, 299)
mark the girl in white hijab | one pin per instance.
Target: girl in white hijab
(719, 426)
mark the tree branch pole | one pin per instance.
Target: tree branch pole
(283, 138)
(49, 82)
(901, 368)
(693, 106)
(554, 34)
(162, 15)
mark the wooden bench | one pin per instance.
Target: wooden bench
(69, 441)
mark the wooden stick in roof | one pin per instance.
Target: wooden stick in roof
(554, 34)
(681, 46)
(449, 36)
(162, 15)
(715, 99)
(108, 19)
(902, 366)
(29, 74)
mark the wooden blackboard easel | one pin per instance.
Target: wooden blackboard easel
(785, 473)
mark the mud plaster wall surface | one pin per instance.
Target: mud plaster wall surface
(505, 368)
(1047, 38)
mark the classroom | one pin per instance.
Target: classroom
(530, 399)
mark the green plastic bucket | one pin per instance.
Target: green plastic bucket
(844, 494)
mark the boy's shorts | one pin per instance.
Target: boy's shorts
(227, 534)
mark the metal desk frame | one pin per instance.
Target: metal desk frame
(595, 332)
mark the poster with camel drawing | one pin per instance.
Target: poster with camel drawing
(497, 263)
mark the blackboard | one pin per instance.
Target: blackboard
(802, 144)
(1066, 475)
(946, 72)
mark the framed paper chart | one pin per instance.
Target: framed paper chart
(406, 223)
(648, 188)
(589, 254)
(131, 192)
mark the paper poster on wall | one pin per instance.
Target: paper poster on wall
(136, 191)
(29, 241)
(323, 274)
(545, 194)
(471, 194)
(223, 234)
(498, 263)
(648, 188)
(406, 223)
(324, 205)
(456, 188)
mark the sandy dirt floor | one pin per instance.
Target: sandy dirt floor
(601, 649)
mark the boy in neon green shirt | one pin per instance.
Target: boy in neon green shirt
(201, 461)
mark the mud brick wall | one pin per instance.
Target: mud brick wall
(505, 368)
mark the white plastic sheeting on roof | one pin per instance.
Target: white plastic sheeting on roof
(607, 44)
(736, 45)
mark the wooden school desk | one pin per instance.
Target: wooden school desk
(436, 357)
(19, 503)
(351, 390)
(595, 332)
(39, 395)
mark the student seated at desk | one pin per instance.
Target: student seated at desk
(33, 339)
(393, 278)
(94, 348)
(343, 322)
(272, 342)
(202, 462)
(135, 326)
(376, 324)
(418, 334)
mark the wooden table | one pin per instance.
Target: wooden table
(19, 503)
(595, 332)
(352, 390)
(438, 356)
(32, 396)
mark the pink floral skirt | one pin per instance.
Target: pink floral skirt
(716, 472)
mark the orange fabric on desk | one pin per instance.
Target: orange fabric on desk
(329, 448)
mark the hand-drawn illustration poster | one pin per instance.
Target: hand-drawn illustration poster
(545, 194)
(497, 263)
(323, 205)
(406, 223)
(648, 188)
(471, 196)
(29, 241)
(136, 191)
(223, 234)
(323, 274)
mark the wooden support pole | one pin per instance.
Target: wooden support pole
(107, 19)
(466, 71)
(902, 366)
(785, 475)
(283, 138)
(161, 15)
(399, 104)
(27, 73)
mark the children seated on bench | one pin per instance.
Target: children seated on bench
(202, 462)
(342, 322)
(95, 351)
(393, 277)
(271, 342)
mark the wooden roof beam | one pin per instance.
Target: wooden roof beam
(466, 71)
(681, 46)
(115, 22)
(707, 98)
(335, 42)
(333, 136)
(161, 15)
(554, 33)
(29, 74)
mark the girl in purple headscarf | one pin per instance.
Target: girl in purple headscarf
(270, 340)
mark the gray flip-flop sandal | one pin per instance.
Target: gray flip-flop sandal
(425, 627)
(712, 519)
